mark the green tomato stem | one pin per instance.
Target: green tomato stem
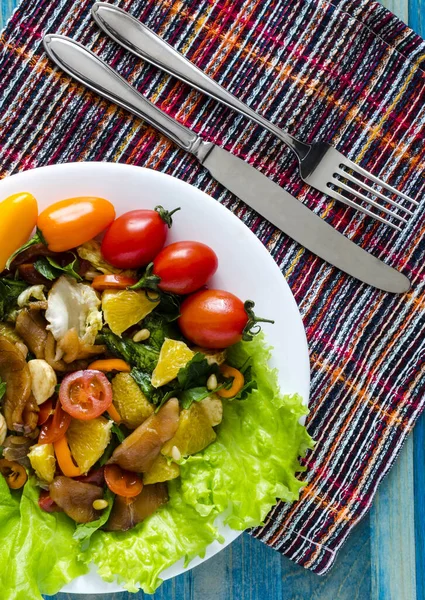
(166, 215)
(252, 328)
(37, 238)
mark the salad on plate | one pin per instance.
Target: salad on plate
(136, 402)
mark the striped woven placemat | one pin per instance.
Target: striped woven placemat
(313, 69)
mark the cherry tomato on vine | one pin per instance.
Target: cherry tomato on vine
(217, 319)
(135, 238)
(184, 267)
(86, 394)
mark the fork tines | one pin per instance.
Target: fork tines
(356, 187)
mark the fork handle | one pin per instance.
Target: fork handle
(143, 42)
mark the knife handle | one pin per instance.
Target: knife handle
(143, 42)
(88, 69)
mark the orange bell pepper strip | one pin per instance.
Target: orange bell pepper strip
(114, 414)
(237, 383)
(69, 223)
(64, 458)
(18, 219)
(110, 364)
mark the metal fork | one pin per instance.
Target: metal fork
(320, 164)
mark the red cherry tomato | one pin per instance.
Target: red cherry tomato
(185, 267)
(85, 394)
(95, 476)
(213, 319)
(135, 238)
(121, 482)
(112, 282)
(55, 427)
(46, 503)
(46, 410)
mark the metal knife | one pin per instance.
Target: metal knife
(251, 186)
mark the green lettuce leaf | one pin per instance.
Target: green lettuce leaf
(137, 557)
(252, 463)
(84, 531)
(44, 553)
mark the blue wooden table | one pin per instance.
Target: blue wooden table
(384, 558)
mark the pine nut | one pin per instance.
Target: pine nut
(212, 382)
(175, 453)
(141, 335)
(100, 504)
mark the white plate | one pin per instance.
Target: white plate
(245, 268)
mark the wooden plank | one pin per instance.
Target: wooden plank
(399, 8)
(416, 15)
(249, 570)
(419, 480)
(392, 533)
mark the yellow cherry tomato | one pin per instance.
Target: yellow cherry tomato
(18, 217)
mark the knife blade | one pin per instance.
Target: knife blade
(260, 193)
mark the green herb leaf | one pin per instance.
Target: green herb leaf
(84, 531)
(141, 356)
(51, 269)
(154, 395)
(44, 268)
(164, 399)
(159, 328)
(169, 307)
(187, 397)
(118, 432)
(196, 372)
(3, 386)
(10, 290)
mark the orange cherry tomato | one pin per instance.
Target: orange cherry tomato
(71, 222)
(46, 410)
(55, 426)
(237, 383)
(112, 282)
(110, 364)
(86, 394)
(64, 458)
(121, 482)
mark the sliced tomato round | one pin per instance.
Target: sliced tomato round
(121, 482)
(95, 476)
(46, 410)
(55, 426)
(86, 394)
(112, 282)
(46, 503)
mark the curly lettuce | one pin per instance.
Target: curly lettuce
(253, 463)
(37, 552)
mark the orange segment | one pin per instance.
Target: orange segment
(173, 356)
(124, 308)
